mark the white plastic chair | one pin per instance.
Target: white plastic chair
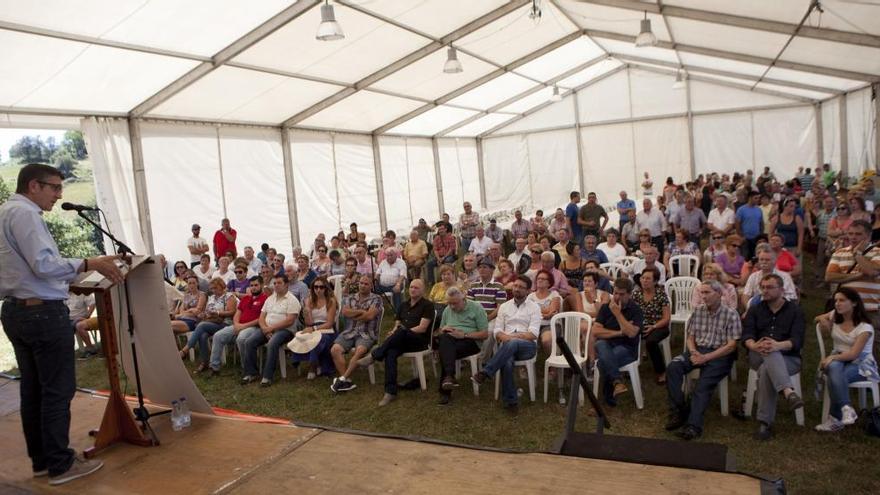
(474, 361)
(679, 291)
(529, 365)
(336, 280)
(614, 270)
(688, 265)
(571, 329)
(752, 389)
(418, 357)
(631, 369)
(723, 385)
(862, 386)
(626, 260)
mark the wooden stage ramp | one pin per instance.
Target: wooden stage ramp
(224, 455)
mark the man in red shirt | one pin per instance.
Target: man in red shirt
(245, 321)
(444, 250)
(224, 240)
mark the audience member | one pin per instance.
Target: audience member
(613, 250)
(790, 225)
(438, 290)
(245, 321)
(468, 222)
(731, 261)
(520, 227)
(721, 219)
(690, 219)
(224, 240)
(196, 245)
(589, 250)
(223, 271)
(572, 266)
(415, 254)
(80, 308)
(549, 301)
(591, 298)
(239, 283)
(559, 221)
(625, 207)
(653, 221)
(277, 326)
(572, 212)
(463, 327)
(650, 259)
(192, 304)
(520, 258)
(391, 277)
(616, 333)
(253, 263)
(469, 273)
(589, 216)
(857, 266)
(218, 313)
(312, 343)
(537, 223)
(444, 250)
(681, 245)
(363, 314)
(713, 272)
(181, 273)
(750, 223)
(655, 310)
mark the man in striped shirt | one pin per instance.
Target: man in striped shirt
(712, 332)
(489, 294)
(858, 266)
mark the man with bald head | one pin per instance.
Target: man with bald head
(411, 333)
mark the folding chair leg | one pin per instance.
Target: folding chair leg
(282, 362)
(530, 370)
(372, 372)
(751, 389)
(799, 412)
(722, 395)
(667, 351)
(546, 381)
(419, 364)
(636, 382)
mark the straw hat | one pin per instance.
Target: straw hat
(303, 342)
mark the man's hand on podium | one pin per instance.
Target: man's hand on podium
(106, 266)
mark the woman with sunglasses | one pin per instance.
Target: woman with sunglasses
(731, 261)
(319, 316)
(322, 262)
(179, 279)
(644, 243)
(838, 226)
(790, 225)
(191, 305)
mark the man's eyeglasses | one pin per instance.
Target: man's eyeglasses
(717, 237)
(55, 187)
(239, 272)
(736, 245)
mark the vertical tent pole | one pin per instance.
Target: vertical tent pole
(482, 174)
(290, 187)
(844, 139)
(820, 136)
(582, 186)
(220, 171)
(876, 87)
(140, 184)
(690, 124)
(438, 176)
(380, 189)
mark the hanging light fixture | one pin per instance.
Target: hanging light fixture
(535, 11)
(329, 29)
(679, 81)
(646, 36)
(452, 65)
(555, 96)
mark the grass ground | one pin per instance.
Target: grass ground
(78, 191)
(808, 461)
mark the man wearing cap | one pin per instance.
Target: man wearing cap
(224, 240)
(488, 293)
(197, 246)
(411, 333)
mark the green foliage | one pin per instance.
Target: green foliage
(64, 162)
(5, 191)
(74, 144)
(32, 149)
(74, 236)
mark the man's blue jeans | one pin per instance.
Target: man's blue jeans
(610, 358)
(200, 335)
(505, 355)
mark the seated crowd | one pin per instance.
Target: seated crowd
(723, 253)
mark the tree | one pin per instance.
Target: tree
(74, 236)
(75, 145)
(65, 163)
(5, 191)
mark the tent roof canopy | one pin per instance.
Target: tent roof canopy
(259, 62)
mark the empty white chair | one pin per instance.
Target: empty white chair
(615, 270)
(627, 260)
(688, 265)
(631, 369)
(679, 291)
(474, 361)
(570, 323)
(723, 385)
(862, 386)
(752, 389)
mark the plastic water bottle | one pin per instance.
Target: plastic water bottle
(185, 415)
(176, 423)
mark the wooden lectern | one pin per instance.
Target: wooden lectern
(118, 424)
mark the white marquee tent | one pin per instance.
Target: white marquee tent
(202, 109)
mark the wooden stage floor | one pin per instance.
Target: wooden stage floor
(224, 455)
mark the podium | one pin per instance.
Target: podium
(162, 376)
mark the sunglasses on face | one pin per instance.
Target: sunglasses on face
(319, 287)
(239, 272)
(736, 245)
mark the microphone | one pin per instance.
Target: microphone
(72, 207)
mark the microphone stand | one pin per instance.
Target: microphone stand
(141, 413)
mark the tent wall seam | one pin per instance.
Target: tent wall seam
(820, 132)
(140, 183)
(435, 152)
(336, 180)
(380, 189)
(844, 137)
(579, 143)
(482, 174)
(290, 187)
(220, 171)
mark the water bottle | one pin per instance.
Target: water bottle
(185, 416)
(176, 423)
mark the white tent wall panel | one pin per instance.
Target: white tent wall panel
(860, 131)
(662, 149)
(254, 187)
(556, 115)
(358, 200)
(182, 173)
(553, 164)
(785, 139)
(710, 97)
(459, 174)
(408, 182)
(607, 99)
(831, 132)
(314, 179)
(723, 143)
(608, 161)
(422, 181)
(506, 172)
(652, 94)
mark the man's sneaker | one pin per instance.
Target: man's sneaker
(848, 415)
(675, 421)
(311, 375)
(448, 384)
(479, 378)
(41, 473)
(80, 467)
(689, 432)
(764, 433)
(335, 384)
(365, 362)
(831, 425)
(248, 379)
(345, 385)
(265, 382)
(387, 399)
(794, 401)
(619, 388)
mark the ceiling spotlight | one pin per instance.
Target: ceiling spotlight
(535, 11)
(452, 65)
(679, 81)
(329, 29)
(555, 96)
(646, 36)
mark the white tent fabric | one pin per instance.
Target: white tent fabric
(109, 148)
(551, 184)
(609, 169)
(409, 181)
(831, 133)
(459, 174)
(861, 130)
(507, 177)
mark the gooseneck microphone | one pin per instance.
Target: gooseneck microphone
(72, 207)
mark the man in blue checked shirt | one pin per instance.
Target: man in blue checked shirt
(34, 285)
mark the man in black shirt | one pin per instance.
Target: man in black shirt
(617, 330)
(411, 333)
(773, 332)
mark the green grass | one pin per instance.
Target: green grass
(808, 461)
(79, 191)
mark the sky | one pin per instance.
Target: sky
(8, 137)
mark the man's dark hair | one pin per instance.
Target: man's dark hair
(773, 276)
(283, 276)
(573, 194)
(264, 246)
(862, 224)
(754, 193)
(526, 280)
(35, 171)
(255, 278)
(624, 284)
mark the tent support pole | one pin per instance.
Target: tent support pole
(579, 141)
(482, 173)
(140, 184)
(690, 124)
(876, 126)
(820, 139)
(292, 215)
(438, 177)
(380, 190)
(844, 139)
